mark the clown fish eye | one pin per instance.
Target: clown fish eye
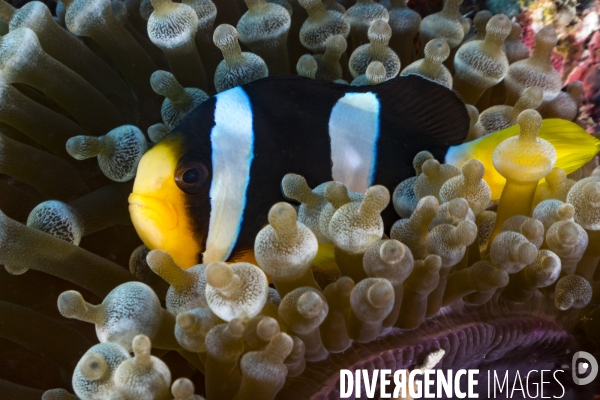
(191, 176)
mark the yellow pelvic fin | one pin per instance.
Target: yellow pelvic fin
(324, 266)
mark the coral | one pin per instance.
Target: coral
(405, 24)
(320, 25)
(130, 309)
(237, 67)
(371, 301)
(480, 21)
(328, 63)
(179, 102)
(235, 291)
(575, 57)
(187, 287)
(285, 249)
(264, 29)
(307, 66)
(93, 376)
(404, 198)
(379, 35)
(481, 64)
(321, 286)
(264, 371)
(80, 99)
(536, 70)
(444, 25)
(523, 161)
(470, 186)
(303, 310)
(374, 75)
(172, 28)
(361, 17)
(499, 117)
(118, 152)
(431, 67)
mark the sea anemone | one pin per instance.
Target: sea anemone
(460, 281)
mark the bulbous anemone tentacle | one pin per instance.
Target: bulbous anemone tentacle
(264, 29)
(172, 27)
(431, 67)
(57, 257)
(238, 67)
(118, 152)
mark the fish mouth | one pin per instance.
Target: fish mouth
(161, 212)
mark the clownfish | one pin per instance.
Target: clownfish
(204, 191)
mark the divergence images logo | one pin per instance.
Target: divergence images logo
(582, 367)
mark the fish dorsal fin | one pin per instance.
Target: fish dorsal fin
(432, 112)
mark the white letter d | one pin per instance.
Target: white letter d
(346, 386)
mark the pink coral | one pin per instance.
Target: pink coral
(577, 56)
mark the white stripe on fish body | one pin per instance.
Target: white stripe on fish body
(232, 142)
(354, 131)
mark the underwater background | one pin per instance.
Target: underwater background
(40, 346)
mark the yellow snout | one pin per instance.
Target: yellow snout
(158, 207)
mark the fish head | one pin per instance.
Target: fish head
(169, 205)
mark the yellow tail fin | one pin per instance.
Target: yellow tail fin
(574, 147)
